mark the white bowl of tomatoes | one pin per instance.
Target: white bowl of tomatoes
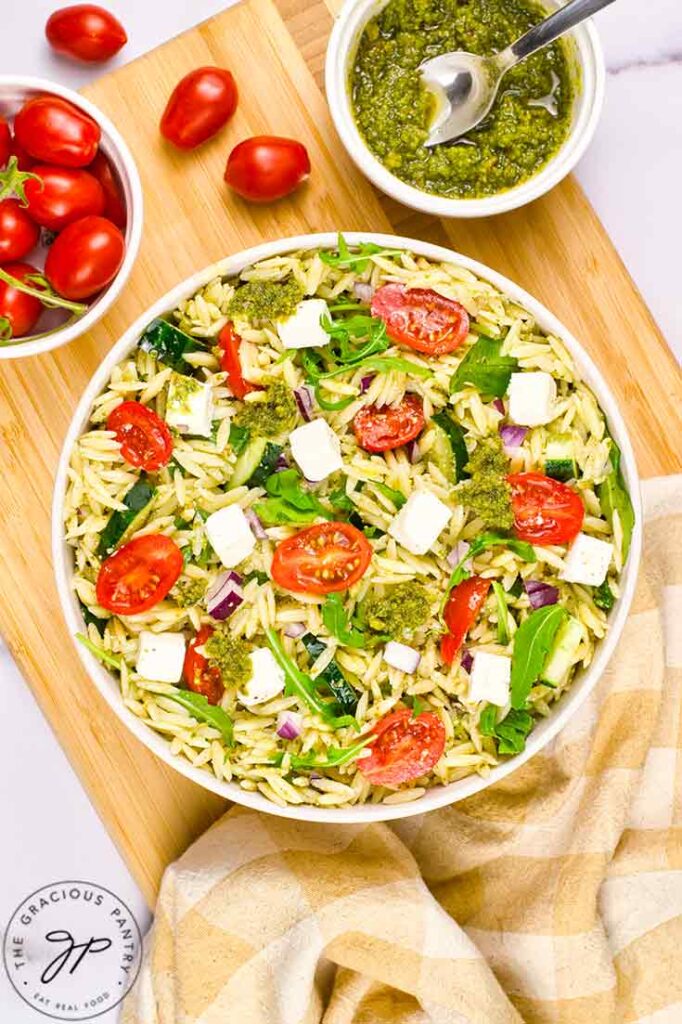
(71, 215)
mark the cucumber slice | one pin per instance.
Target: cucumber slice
(564, 652)
(449, 452)
(122, 524)
(331, 676)
(168, 344)
(560, 462)
(256, 463)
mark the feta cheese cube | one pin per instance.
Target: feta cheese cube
(532, 398)
(490, 678)
(160, 656)
(316, 449)
(303, 329)
(230, 535)
(189, 408)
(402, 657)
(588, 561)
(419, 522)
(266, 681)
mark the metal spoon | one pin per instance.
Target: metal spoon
(465, 85)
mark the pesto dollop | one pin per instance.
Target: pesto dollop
(188, 592)
(260, 301)
(527, 124)
(487, 493)
(273, 415)
(230, 654)
(402, 609)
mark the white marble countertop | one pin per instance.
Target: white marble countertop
(632, 174)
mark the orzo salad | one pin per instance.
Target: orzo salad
(346, 526)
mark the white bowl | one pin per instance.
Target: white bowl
(587, 55)
(440, 795)
(14, 91)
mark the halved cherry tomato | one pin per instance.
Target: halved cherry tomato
(545, 510)
(139, 574)
(229, 342)
(267, 167)
(145, 439)
(421, 319)
(19, 312)
(199, 675)
(407, 746)
(54, 131)
(380, 428)
(18, 233)
(62, 195)
(460, 613)
(85, 257)
(85, 32)
(200, 104)
(5, 142)
(321, 559)
(114, 202)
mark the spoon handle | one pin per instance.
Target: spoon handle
(551, 28)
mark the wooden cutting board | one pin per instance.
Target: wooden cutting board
(556, 248)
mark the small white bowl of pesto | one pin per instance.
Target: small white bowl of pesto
(540, 125)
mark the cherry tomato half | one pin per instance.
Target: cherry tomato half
(5, 142)
(19, 312)
(266, 167)
(85, 257)
(55, 132)
(145, 439)
(139, 574)
(229, 343)
(200, 104)
(460, 613)
(198, 674)
(18, 233)
(85, 32)
(63, 195)
(545, 510)
(407, 746)
(321, 559)
(380, 428)
(421, 319)
(114, 202)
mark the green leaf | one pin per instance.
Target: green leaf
(532, 644)
(300, 684)
(289, 501)
(329, 406)
(604, 597)
(256, 574)
(613, 497)
(397, 497)
(93, 620)
(502, 624)
(345, 333)
(339, 500)
(239, 438)
(346, 260)
(199, 708)
(336, 756)
(104, 656)
(482, 543)
(485, 368)
(331, 676)
(510, 733)
(335, 619)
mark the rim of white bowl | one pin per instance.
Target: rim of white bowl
(345, 34)
(116, 149)
(438, 796)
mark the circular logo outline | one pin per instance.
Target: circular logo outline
(6, 942)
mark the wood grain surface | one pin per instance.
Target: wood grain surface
(556, 248)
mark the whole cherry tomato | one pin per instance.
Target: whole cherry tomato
(63, 195)
(145, 439)
(266, 167)
(321, 559)
(139, 575)
(85, 32)
(199, 675)
(460, 613)
(24, 160)
(200, 104)
(19, 312)
(85, 257)
(545, 510)
(114, 201)
(54, 131)
(381, 428)
(5, 142)
(421, 319)
(407, 746)
(18, 233)
(228, 343)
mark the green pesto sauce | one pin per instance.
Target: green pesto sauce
(401, 610)
(188, 592)
(272, 417)
(259, 301)
(181, 390)
(230, 654)
(487, 494)
(393, 109)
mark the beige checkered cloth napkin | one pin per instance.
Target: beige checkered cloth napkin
(554, 896)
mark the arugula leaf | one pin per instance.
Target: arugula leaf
(357, 261)
(339, 500)
(603, 596)
(289, 501)
(301, 685)
(482, 543)
(414, 702)
(239, 438)
(329, 406)
(485, 368)
(532, 644)
(199, 708)
(510, 733)
(93, 620)
(369, 330)
(397, 497)
(613, 497)
(384, 364)
(502, 623)
(331, 676)
(336, 756)
(104, 656)
(335, 618)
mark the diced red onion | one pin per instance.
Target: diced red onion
(458, 553)
(224, 595)
(512, 437)
(413, 451)
(294, 630)
(499, 405)
(282, 463)
(366, 383)
(304, 401)
(540, 594)
(467, 661)
(363, 291)
(257, 528)
(289, 724)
